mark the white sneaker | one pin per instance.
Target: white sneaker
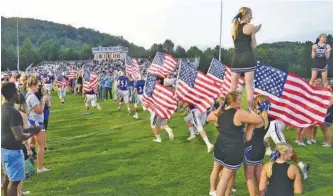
(309, 142)
(301, 144)
(210, 148)
(170, 132)
(42, 170)
(136, 116)
(99, 108)
(233, 190)
(157, 140)
(191, 137)
(327, 145)
(212, 193)
(313, 141)
(25, 192)
(119, 107)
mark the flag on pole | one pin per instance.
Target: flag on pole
(71, 74)
(196, 88)
(221, 74)
(158, 99)
(162, 65)
(89, 81)
(62, 82)
(132, 68)
(293, 100)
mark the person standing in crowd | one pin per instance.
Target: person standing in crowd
(13, 133)
(36, 118)
(229, 146)
(281, 177)
(130, 87)
(243, 61)
(115, 78)
(101, 88)
(108, 86)
(320, 53)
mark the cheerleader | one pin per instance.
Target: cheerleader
(255, 147)
(282, 178)
(229, 146)
(243, 61)
(275, 132)
(320, 53)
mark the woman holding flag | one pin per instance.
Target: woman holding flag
(243, 61)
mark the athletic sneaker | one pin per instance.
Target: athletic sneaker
(119, 107)
(42, 170)
(191, 137)
(170, 132)
(313, 141)
(301, 144)
(309, 142)
(212, 193)
(25, 192)
(157, 140)
(210, 148)
(99, 108)
(327, 145)
(305, 171)
(136, 116)
(87, 113)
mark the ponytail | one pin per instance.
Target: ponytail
(235, 26)
(317, 41)
(280, 150)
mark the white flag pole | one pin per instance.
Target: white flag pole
(220, 32)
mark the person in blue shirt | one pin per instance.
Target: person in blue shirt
(122, 84)
(108, 86)
(130, 88)
(101, 86)
(138, 90)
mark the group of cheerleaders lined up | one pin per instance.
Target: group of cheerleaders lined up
(276, 177)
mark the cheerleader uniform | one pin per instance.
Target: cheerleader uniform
(229, 146)
(329, 116)
(320, 61)
(279, 182)
(255, 149)
(243, 59)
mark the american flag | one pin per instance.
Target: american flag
(62, 82)
(196, 88)
(132, 67)
(221, 74)
(89, 81)
(71, 74)
(293, 100)
(162, 65)
(158, 99)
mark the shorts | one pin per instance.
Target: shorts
(156, 121)
(124, 95)
(229, 158)
(138, 100)
(13, 164)
(275, 131)
(197, 119)
(91, 99)
(46, 123)
(62, 92)
(328, 119)
(36, 123)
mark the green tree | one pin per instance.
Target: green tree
(49, 50)
(28, 54)
(180, 52)
(193, 52)
(168, 46)
(8, 57)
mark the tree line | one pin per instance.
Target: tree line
(47, 41)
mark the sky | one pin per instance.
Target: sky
(185, 22)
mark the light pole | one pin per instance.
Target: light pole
(18, 46)
(220, 32)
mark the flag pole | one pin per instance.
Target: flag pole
(17, 47)
(180, 66)
(220, 31)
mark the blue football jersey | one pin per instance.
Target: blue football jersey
(123, 83)
(139, 85)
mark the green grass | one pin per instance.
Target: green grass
(109, 153)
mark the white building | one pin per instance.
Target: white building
(111, 52)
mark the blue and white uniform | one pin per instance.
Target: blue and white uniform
(123, 88)
(139, 85)
(320, 61)
(197, 118)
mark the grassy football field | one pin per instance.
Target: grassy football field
(110, 153)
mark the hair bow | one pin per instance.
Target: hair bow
(275, 154)
(264, 106)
